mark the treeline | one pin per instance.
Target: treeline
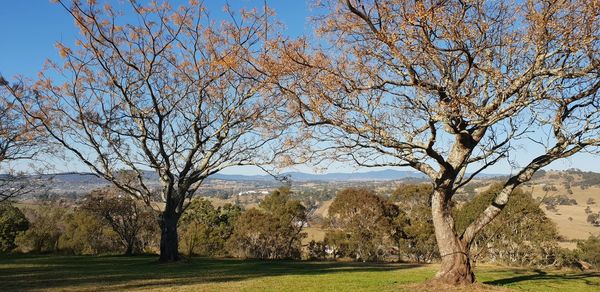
(360, 225)
(108, 221)
(587, 178)
(105, 222)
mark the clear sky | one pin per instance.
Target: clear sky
(30, 29)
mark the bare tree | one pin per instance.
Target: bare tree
(130, 219)
(173, 92)
(19, 141)
(448, 88)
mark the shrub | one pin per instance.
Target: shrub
(559, 200)
(86, 234)
(565, 258)
(205, 229)
(549, 188)
(367, 220)
(418, 242)
(337, 243)
(272, 232)
(590, 250)
(12, 222)
(316, 250)
(132, 221)
(594, 219)
(45, 228)
(520, 235)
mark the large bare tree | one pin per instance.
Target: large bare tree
(448, 88)
(160, 89)
(20, 142)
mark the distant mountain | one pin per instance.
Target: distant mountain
(72, 178)
(380, 175)
(241, 177)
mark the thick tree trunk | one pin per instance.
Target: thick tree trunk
(456, 265)
(129, 249)
(169, 242)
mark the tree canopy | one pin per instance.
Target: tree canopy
(520, 235)
(273, 231)
(367, 221)
(12, 222)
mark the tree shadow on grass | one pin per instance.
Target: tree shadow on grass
(540, 275)
(121, 273)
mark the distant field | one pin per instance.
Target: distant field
(323, 210)
(88, 273)
(313, 233)
(576, 227)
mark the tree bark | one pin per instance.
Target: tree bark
(169, 241)
(456, 265)
(129, 249)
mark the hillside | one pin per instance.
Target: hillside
(570, 218)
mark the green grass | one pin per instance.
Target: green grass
(109, 273)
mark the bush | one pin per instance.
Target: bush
(272, 232)
(368, 221)
(559, 200)
(205, 229)
(337, 243)
(316, 250)
(55, 228)
(132, 221)
(418, 243)
(594, 219)
(45, 229)
(520, 235)
(86, 234)
(12, 222)
(590, 250)
(565, 258)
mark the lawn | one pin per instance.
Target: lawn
(77, 273)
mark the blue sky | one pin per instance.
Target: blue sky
(31, 28)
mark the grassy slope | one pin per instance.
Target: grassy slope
(577, 227)
(129, 273)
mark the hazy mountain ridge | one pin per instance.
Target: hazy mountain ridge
(378, 175)
(388, 174)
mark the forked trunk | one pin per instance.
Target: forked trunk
(456, 264)
(169, 242)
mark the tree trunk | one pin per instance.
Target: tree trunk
(190, 251)
(169, 242)
(456, 264)
(129, 249)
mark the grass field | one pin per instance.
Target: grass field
(572, 220)
(110, 273)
